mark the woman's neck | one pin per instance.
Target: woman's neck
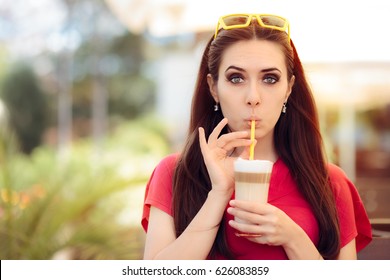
(264, 149)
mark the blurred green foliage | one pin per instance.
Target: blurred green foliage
(27, 105)
(51, 206)
(77, 203)
(119, 66)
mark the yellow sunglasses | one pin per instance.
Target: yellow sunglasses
(234, 21)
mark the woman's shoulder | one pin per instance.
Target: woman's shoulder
(165, 168)
(343, 188)
(168, 162)
(337, 175)
(335, 171)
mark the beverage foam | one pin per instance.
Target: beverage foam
(253, 166)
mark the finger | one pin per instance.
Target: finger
(237, 143)
(247, 228)
(226, 138)
(217, 131)
(251, 206)
(250, 217)
(261, 239)
(246, 152)
(202, 140)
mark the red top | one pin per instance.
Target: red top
(284, 194)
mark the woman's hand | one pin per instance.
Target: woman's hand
(216, 151)
(267, 223)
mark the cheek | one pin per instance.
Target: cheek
(230, 111)
(272, 110)
(229, 101)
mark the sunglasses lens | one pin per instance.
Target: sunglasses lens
(235, 20)
(273, 21)
(244, 20)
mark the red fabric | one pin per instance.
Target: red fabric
(159, 189)
(353, 217)
(284, 194)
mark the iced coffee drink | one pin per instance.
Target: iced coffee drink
(252, 180)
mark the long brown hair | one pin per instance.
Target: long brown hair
(297, 140)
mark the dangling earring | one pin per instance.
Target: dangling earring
(216, 108)
(284, 108)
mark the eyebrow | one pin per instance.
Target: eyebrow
(262, 71)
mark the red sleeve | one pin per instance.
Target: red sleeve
(158, 192)
(353, 219)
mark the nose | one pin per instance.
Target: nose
(253, 97)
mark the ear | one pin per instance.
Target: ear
(290, 86)
(213, 87)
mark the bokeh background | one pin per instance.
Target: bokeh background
(93, 93)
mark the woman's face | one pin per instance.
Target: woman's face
(252, 85)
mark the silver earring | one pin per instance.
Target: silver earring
(284, 108)
(216, 108)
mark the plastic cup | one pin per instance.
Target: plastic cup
(252, 180)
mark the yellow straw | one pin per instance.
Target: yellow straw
(252, 147)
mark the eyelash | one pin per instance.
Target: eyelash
(233, 77)
(272, 79)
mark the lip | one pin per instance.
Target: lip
(253, 118)
(249, 122)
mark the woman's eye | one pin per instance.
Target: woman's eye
(236, 79)
(270, 79)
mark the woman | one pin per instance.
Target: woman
(250, 70)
